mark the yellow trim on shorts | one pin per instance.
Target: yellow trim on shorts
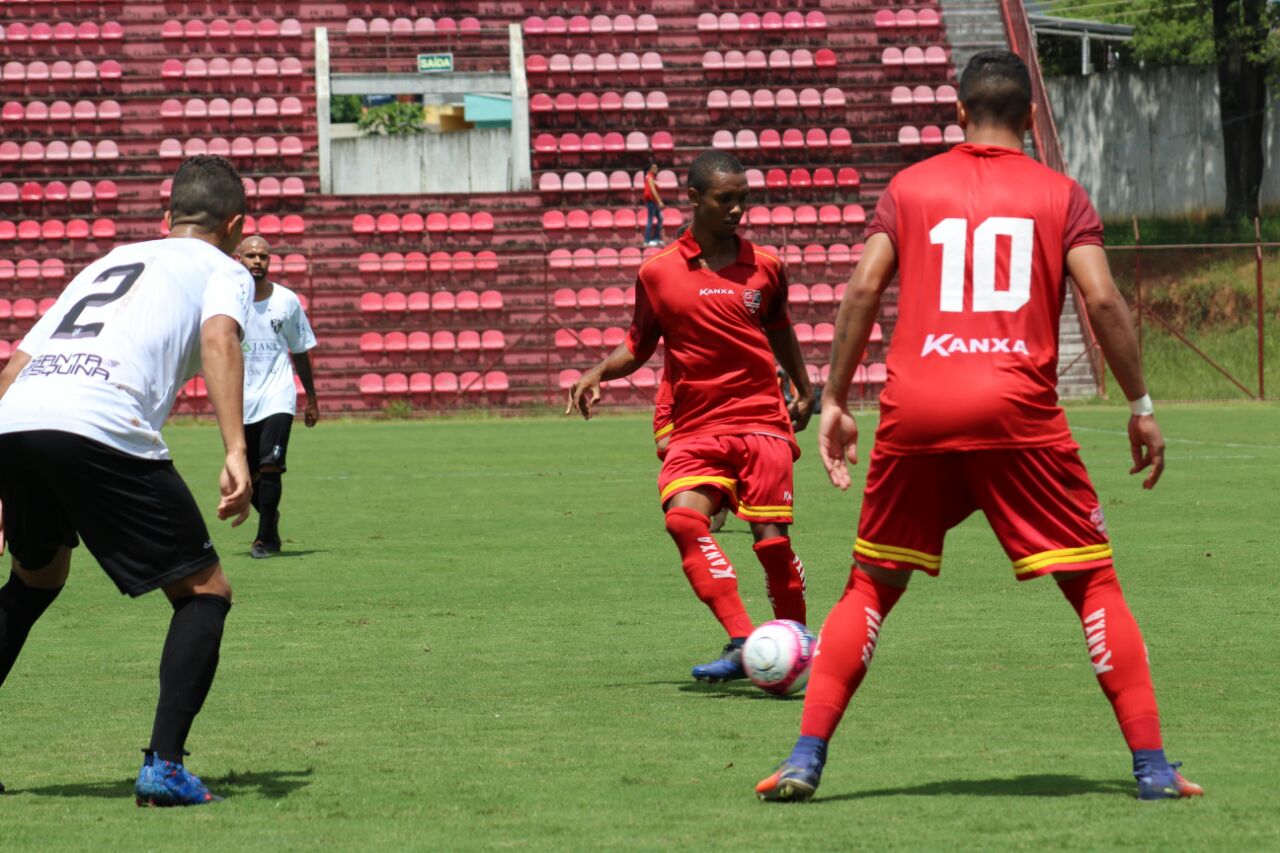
(765, 511)
(1044, 559)
(898, 555)
(661, 431)
(684, 483)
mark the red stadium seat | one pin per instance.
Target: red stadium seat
(396, 343)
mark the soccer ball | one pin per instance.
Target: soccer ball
(777, 655)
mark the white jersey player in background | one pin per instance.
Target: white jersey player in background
(276, 342)
(81, 455)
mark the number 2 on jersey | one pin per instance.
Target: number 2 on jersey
(128, 275)
(953, 234)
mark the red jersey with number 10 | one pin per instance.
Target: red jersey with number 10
(981, 234)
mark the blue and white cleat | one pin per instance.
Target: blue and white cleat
(728, 667)
(1160, 780)
(168, 783)
(796, 779)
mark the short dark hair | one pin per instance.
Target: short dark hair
(996, 89)
(709, 163)
(207, 191)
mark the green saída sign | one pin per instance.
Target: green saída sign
(432, 63)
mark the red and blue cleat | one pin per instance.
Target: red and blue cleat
(168, 783)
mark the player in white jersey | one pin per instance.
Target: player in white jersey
(81, 455)
(275, 343)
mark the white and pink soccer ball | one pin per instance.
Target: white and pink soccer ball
(777, 656)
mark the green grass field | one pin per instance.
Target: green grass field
(479, 637)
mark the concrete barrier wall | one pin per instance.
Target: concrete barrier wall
(475, 161)
(1149, 142)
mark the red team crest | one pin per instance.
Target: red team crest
(751, 298)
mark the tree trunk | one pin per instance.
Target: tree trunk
(1239, 33)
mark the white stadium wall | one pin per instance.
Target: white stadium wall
(473, 161)
(1149, 142)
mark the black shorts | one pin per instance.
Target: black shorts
(136, 516)
(267, 441)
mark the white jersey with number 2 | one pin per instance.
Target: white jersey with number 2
(277, 328)
(109, 357)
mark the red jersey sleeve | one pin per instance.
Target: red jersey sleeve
(642, 337)
(775, 314)
(1084, 228)
(885, 220)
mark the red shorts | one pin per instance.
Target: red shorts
(1039, 502)
(753, 471)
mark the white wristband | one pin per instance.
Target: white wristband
(1141, 406)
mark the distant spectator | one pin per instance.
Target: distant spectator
(653, 202)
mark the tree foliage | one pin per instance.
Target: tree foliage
(345, 109)
(393, 119)
(1179, 32)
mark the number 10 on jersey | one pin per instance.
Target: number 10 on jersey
(953, 235)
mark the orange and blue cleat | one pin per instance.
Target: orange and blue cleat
(1159, 779)
(796, 779)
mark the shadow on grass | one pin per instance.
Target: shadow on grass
(268, 784)
(732, 690)
(284, 554)
(1018, 786)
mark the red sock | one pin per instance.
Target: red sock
(783, 577)
(709, 571)
(1118, 655)
(845, 647)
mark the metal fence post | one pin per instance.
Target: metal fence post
(1262, 357)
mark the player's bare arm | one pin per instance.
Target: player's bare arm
(11, 370)
(838, 431)
(224, 376)
(585, 393)
(1113, 327)
(786, 349)
(302, 364)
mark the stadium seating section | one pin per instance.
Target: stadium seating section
(490, 299)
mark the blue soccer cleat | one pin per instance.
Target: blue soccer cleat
(168, 783)
(796, 779)
(1159, 779)
(728, 667)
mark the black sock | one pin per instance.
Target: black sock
(254, 499)
(20, 607)
(187, 666)
(270, 488)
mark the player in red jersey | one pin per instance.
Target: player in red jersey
(720, 304)
(981, 238)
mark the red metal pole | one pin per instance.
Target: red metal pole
(1137, 277)
(1262, 357)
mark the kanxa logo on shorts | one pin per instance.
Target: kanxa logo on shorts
(751, 299)
(1098, 520)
